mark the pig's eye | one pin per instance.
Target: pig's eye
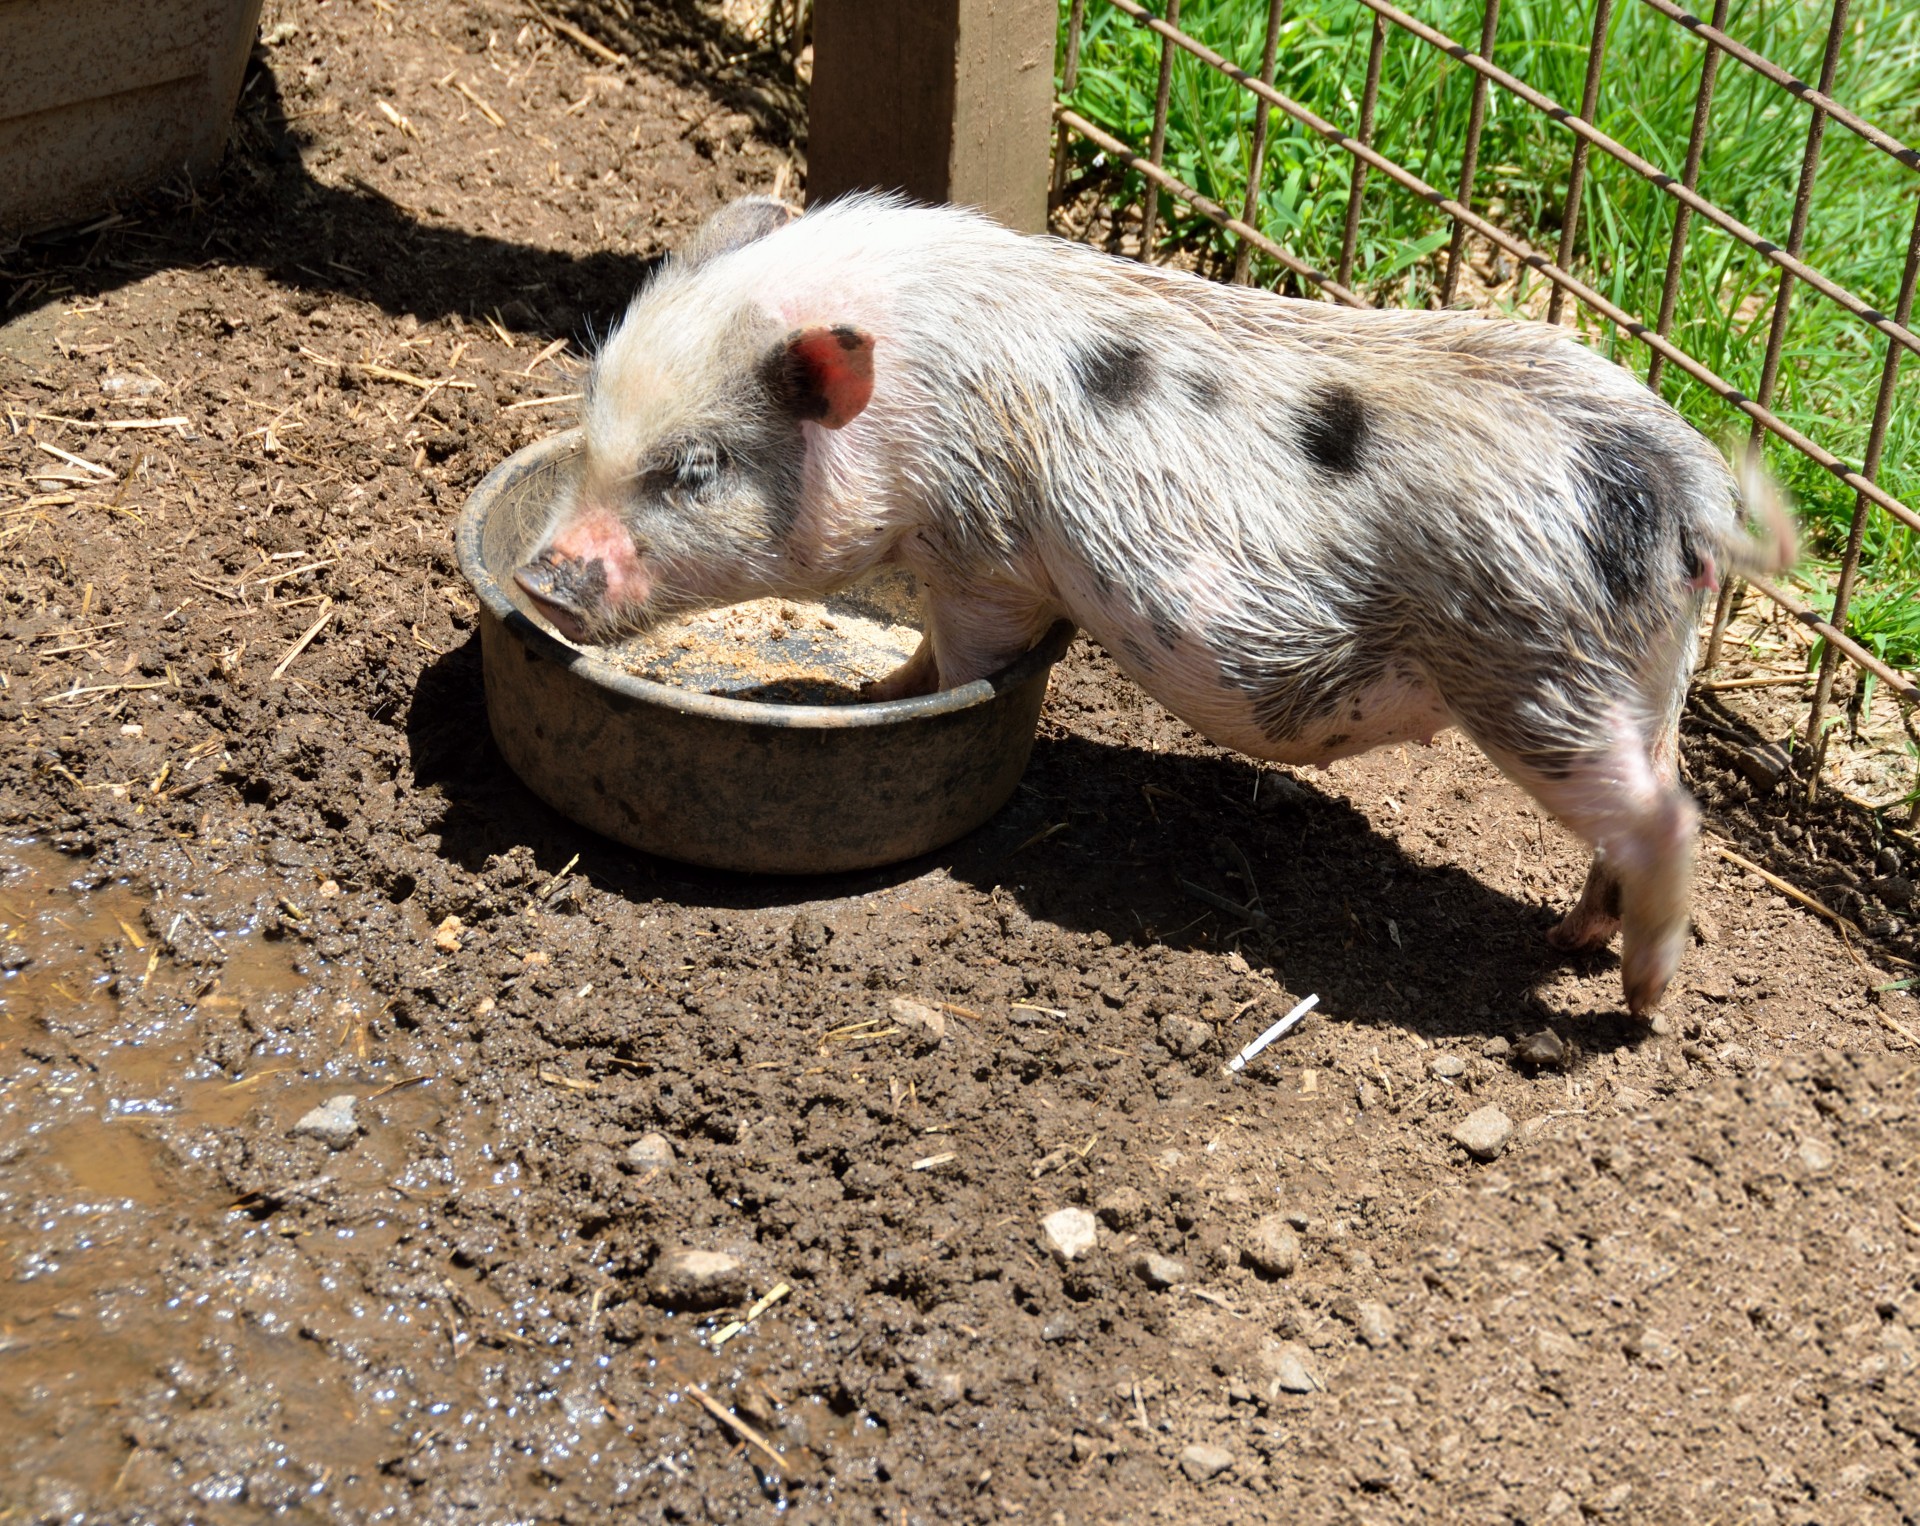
(697, 467)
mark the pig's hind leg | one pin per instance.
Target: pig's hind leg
(1624, 797)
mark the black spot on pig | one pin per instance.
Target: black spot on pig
(1137, 653)
(1300, 698)
(1334, 428)
(846, 336)
(1205, 392)
(1690, 558)
(1625, 523)
(1115, 372)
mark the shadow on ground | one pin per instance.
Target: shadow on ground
(264, 209)
(1107, 839)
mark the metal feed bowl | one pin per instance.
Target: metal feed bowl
(710, 779)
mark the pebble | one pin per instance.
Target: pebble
(1649, 1346)
(1816, 1159)
(1374, 1323)
(1184, 1036)
(651, 1152)
(127, 384)
(1201, 1462)
(1545, 1048)
(1496, 1049)
(1271, 1247)
(922, 1026)
(1159, 1271)
(333, 1122)
(1290, 1366)
(697, 1279)
(1484, 1132)
(1447, 1066)
(1068, 1233)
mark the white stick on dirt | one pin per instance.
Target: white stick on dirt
(1239, 1061)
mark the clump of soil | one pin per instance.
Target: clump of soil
(375, 1141)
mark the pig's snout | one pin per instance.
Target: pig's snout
(570, 591)
(589, 580)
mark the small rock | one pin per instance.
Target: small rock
(1496, 1049)
(1068, 1233)
(1545, 1048)
(697, 1279)
(1887, 860)
(1447, 1066)
(1084, 1446)
(651, 1152)
(1764, 765)
(126, 384)
(1271, 1247)
(1816, 1159)
(1484, 1133)
(332, 1123)
(1374, 1323)
(1158, 1271)
(923, 1026)
(1705, 929)
(1201, 1462)
(1649, 1347)
(1184, 1036)
(446, 937)
(1121, 1208)
(939, 1388)
(1290, 1365)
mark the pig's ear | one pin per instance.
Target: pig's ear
(825, 373)
(734, 226)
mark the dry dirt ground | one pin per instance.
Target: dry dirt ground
(260, 854)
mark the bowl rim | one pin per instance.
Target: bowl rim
(603, 674)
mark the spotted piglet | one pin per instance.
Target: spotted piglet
(1306, 530)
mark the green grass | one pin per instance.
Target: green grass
(1862, 210)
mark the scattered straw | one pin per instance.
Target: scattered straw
(326, 614)
(1791, 892)
(485, 110)
(72, 460)
(738, 1426)
(542, 402)
(573, 34)
(544, 356)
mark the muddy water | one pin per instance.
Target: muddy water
(110, 1114)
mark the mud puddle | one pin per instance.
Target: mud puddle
(114, 1117)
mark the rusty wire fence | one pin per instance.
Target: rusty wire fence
(1881, 318)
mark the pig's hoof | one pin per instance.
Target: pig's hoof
(1580, 930)
(1646, 971)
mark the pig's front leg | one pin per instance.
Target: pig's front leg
(970, 632)
(919, 674)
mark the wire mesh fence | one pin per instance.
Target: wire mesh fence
(1749, 281)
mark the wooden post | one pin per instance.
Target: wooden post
(946, 100)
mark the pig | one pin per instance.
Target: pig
(1307, 530)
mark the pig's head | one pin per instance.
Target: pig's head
(696, 432)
